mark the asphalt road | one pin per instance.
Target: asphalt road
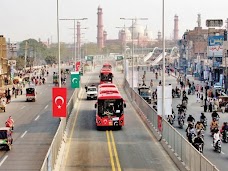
(34, 128)
(194, 108)
(131, 148)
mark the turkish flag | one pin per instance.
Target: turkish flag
(77, 66)
(59, 102)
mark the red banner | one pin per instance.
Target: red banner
(59, 102)
(77, 66)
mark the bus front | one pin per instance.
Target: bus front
(110, 110)
(106, 77)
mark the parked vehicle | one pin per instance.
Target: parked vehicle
(30, 94)
(6, 139)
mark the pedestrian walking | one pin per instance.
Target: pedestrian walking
(201, 100)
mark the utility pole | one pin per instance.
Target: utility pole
(26, 48)
(75, 47)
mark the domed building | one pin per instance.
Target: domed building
(141, 36)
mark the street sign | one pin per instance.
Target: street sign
(119, 58)
(89, 58)
(75, 79)
(214, 23)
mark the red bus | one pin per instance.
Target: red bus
(107, 85)
(106, 76)
(110, 110)
(108, 90)
(107, 65)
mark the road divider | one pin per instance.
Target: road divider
(56, 151)
(178, 148)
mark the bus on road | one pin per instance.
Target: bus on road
(106, 76)
(110, 110)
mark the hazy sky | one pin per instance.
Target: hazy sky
(23, 19)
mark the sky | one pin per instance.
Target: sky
(24, 19)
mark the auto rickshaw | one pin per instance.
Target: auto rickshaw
(6, 139)
(31, 94)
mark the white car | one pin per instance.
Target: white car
(92, 92)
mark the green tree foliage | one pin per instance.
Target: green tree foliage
(49, 54)
(19, 62)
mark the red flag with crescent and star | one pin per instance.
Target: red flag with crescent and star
(59, 102)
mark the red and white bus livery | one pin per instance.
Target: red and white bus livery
(110, 110)
(106, 76)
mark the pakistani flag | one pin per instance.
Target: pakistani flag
(75, 79)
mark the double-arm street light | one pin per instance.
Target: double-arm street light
(75, 47)
(132, 38)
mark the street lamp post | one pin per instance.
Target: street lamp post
(75, 47)
(124, 48)
(163, 63)
(59, 68)
(132, 38)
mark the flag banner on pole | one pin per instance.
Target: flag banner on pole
(167, 102)
(77, 66)
(75, 79)
(59, 102)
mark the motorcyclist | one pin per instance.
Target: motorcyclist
(216, 137)
(202, 117)
(191, 119)
(10, 122)
(198, 140)
(190, 132)
(199, 126)
(223, 129)
(214, 125)
(215, 115)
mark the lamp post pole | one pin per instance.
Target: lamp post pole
(59, 66)
(75, 46)
(124, 49)
(163, 62)
(132, 38)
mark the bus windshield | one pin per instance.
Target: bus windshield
(106, 77)
(110, 107)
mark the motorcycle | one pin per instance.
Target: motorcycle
(225, 136)
(218, 146)
(204, 121)
(190, 136)
(181, 122)
(199, 147)
(170, 119)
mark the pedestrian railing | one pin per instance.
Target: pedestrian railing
(184, 151)
(52, 154)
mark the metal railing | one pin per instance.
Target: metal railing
(192, 159)
(52, 154)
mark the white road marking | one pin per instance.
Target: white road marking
(37, 117)
(46, 107)
(3, 160)
(23, 134)
(23, 107)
